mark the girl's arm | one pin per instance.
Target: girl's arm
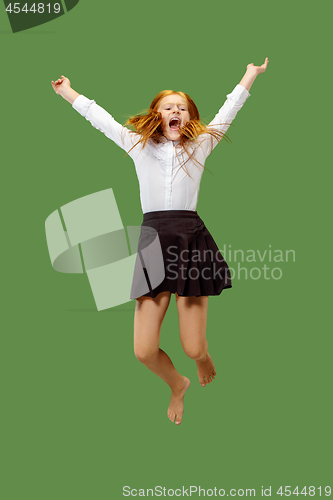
(233, 104)
(97, 116)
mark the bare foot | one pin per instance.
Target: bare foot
(176, 407)
(206, 370)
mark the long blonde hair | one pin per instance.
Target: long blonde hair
(149, 126)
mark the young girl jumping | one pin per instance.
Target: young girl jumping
(169, 148)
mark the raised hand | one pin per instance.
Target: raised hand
(61, 84)
(62, 87)
(252, 72)
(258, 69)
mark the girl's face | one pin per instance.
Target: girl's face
(174, 111)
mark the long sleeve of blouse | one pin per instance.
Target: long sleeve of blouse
(168, 178)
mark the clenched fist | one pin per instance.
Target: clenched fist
(62, 87)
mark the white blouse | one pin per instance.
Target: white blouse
(164, 183)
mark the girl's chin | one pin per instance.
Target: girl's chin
(172, 136)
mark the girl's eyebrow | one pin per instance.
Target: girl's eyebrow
(169, 103)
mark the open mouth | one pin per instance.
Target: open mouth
(174, 124)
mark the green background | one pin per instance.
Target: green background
(81, 417)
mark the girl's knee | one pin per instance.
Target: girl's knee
(195, 352)
(145, 355)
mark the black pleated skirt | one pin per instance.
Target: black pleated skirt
(177, 253)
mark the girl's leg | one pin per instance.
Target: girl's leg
(149, 315)
(192, 312)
